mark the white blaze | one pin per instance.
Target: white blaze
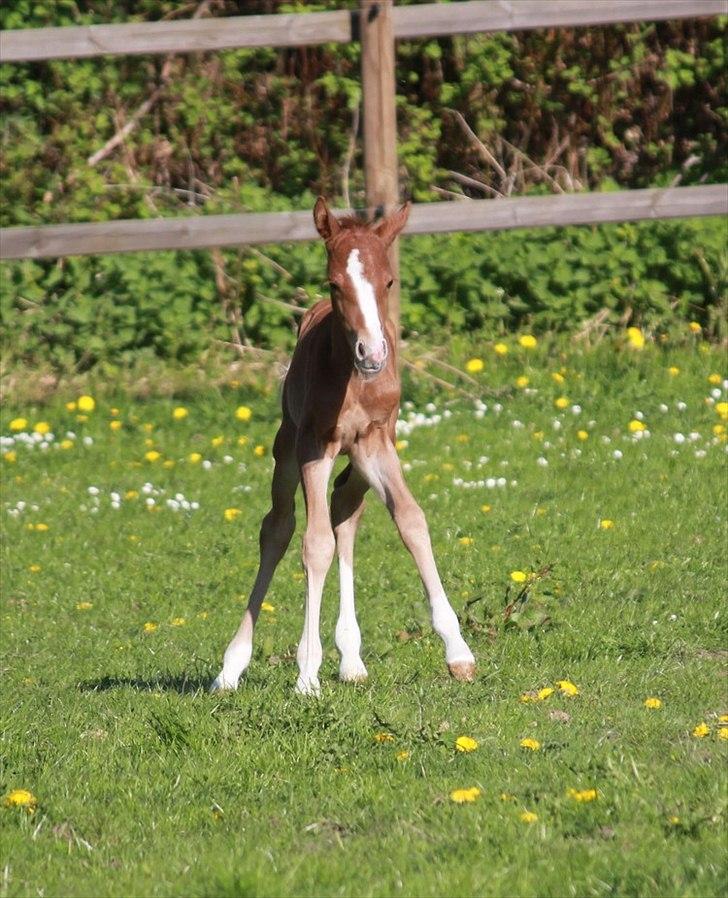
(365, 296)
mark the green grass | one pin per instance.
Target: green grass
(147, 785)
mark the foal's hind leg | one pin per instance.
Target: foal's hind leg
(275, 535)
(347, 507)
(380, 466)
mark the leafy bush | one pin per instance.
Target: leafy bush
(77, 312)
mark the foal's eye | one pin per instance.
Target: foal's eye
(389, 283)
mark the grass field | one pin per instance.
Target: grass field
(119, 601)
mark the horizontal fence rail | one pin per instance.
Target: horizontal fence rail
(339, 26)
(426, 218)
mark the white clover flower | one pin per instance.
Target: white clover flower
(663, 408)
(430, 407)
(447, 413)
(147, 488)
(517, 424)
(716, 393)
(617, 454)
(228, 459)
(606, 440)
(679, 438)
(116, 505)
(640, 416)
(575, 409)
(543, 462)
(150, 501)
(88, 441)
(502, 481)
(93, 491)
(479, 414)
(498, 408)
(700, 453)
(206, 464)
(556, 424)
(194, 505)
(490, 483)
(681, 406)
(693, 436)
(406, 466)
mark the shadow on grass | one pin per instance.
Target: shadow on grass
(182, 684)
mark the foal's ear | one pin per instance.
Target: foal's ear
(388, 228)
(325, 220)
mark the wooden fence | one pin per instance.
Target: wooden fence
(377, 25)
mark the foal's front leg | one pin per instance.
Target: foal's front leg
(347, 507)
(379, 464)
(318, 553)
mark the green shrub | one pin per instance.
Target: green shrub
(77, 312)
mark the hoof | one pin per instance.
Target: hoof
(220, 684)
(353, 673)
(464, 671)
(309, 687)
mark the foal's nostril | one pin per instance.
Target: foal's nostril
(360, 349)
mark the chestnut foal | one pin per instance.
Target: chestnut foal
(341, 394)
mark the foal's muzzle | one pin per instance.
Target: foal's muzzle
(370, 359)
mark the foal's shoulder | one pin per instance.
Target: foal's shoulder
(315, 315)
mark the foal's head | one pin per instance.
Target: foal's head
(360, 277)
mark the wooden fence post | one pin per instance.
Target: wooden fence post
(380, 121)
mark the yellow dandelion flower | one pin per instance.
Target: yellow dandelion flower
(20, 798)
(474, 366)
(566, 687)
(635, 425)
(203, 615)
(383, 737)
(447, 466)
(695, 327)
(519, 576)
(115, 425)
(522, 382)
(466, 540)
(18, 424)
(527, 341)
(654, 703)
(86, 403)
(583, 794)
(179, 413)
(701, 731)
(194, 457)
(82, 418)
(42, 427)
(217, 441)
(673, 371)
(149, 443)
(403, 755)
(506, 796)
(466, 743)
(84, 606)
(562, 402)
(66, 444)
(243, 413)
(34, 568)
(721, 409)
(148, 427)
(500, 349)
(231, 513)
(606, 524)
(114, 412)
(266, 606)
(169, 463)
(71, 406)
(557, 377)
(243, 441)
(635, 337)
(530, 744)
(150, 627)
(152, 455)
(11, 456)
(401, 444)
(723, 732)
(582, 435)
(713, 379)
(178, 621)
(719, 430)
(528, 817)
(259, 451)
(486, 508)
(465, 796)
(544, 693)
(131, 494)
(41, 528)
(723, 718)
